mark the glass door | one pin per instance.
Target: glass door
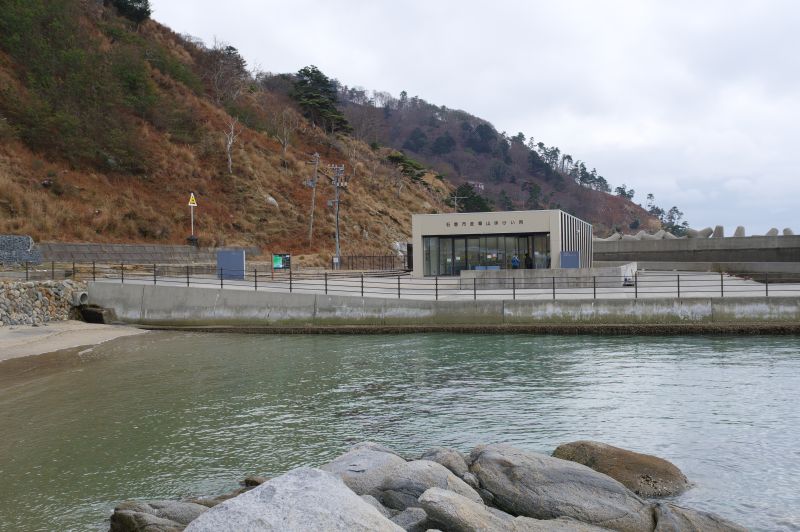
(473, 252)
(445, 256)
(459, 255)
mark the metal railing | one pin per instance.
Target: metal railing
(398, 284)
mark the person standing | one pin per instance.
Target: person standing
(514, 262)
(528, 261)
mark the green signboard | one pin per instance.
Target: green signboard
(281, 261)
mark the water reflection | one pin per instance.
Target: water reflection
(173, 415)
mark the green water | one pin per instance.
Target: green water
(174, 415)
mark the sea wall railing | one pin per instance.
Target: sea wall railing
(398, 284)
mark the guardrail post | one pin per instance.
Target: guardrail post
(475, 288)
(187, 275)
(766, 283)
(94, 274)
(27, 275)
(155, 279)
(221, 277)
(362, 284)
(290, 280)
(398, 287)
(636, 285)
(721, 285)
(326, 283)
(554, 288)
(122, 273)
(255, 279)
(53, 270)
(436, 287)
(679, 286)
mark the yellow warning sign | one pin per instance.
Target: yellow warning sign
(192, 201)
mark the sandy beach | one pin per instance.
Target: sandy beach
(26, 340)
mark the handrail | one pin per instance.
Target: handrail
(399, 284)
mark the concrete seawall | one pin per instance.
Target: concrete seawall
(181, 306)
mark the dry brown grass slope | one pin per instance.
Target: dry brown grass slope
(54, 199)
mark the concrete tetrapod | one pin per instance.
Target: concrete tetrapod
(739, 231)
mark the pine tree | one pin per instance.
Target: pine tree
(136, 10)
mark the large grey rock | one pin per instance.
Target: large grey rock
(739, 233)
(412, 520)
(130, 520)
(672, 518)
(301, 500)
(471, 480)
(178, 511)
(364, 467)
(645, 475)
(375, 503)
(450, 458)
(543, 487)
(406, 482)
(458, 514)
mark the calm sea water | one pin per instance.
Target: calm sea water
(169, 415)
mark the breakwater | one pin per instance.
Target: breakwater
(194, 306)
(584, 487)
(37, 302)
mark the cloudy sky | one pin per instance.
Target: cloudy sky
(696, 102)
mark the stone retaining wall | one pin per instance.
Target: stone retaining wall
(34, 302)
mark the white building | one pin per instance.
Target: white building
(446, 244)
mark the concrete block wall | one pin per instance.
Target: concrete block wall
(130, 253)
(186, 306)
(732, 249)
(611, 276)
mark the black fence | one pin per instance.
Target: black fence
(399, 284)
(372, 263)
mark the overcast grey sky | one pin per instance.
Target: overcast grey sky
(694, 101)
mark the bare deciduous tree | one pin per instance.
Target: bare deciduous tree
(231, 135)
(284, 125)
(226, 72)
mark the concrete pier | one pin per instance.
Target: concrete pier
(193, 306)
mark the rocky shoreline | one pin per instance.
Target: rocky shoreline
(584, 487)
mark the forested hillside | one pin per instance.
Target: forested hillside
(514, 172)
(107, 123)
(108, 120)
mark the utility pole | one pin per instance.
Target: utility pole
(455, 200)
(339, 181)
(313, 185)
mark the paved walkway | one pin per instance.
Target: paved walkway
(650, 284)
